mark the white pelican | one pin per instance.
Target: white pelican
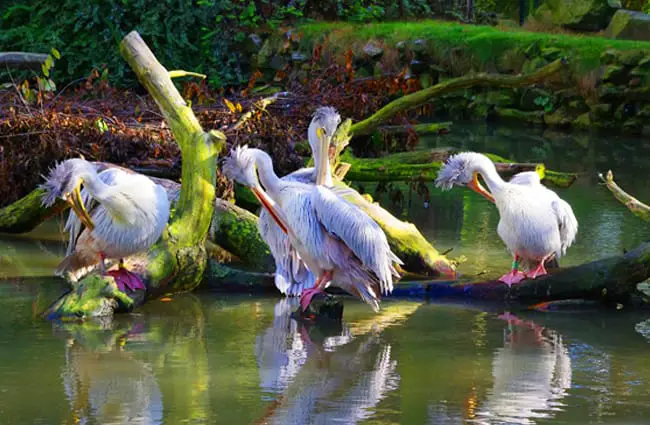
(123, 214)
(291, 274)
(535, 223)
(338, 242)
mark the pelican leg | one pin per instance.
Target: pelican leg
(514, 275)
(102, 264)
(540, 270)
(308, 294)
(125, 279)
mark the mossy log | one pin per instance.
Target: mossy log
(637, 207)
(413, 100)
(177, 261)
(419, 129)
(611, 281)
(424, 165)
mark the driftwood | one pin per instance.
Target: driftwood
(637, 207)
(22, 60)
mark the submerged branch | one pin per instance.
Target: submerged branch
(637, 207)
(423, 96)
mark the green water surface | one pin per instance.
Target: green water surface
(207, 358)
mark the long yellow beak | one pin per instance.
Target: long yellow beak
(323, 157)
(476, 186)
(74, 200)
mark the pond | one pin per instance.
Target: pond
(206, 358)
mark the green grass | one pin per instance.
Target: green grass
(485, 43)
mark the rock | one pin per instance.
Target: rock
(601, 110)
(629, 25)
(631, 58)
(583, 121)
(644, 63)
(633, 126)
(614, 73)
(645, 111)
(638, 93)
(559, 118)
(531, 99)
(515, 115)
(500, 98)
(585, 15)
(609, 92)
(323, 307)
(609, 56)
(373, 50)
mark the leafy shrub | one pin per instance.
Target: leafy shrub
(207, 36)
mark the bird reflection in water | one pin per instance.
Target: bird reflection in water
(531, 373)
(321, 375)
(103, 382)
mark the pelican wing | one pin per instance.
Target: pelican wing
(291, 275)
(526, 178)
(358, 231)
(567, 223)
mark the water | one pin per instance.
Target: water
(205, 358)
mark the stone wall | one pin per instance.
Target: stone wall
(605, 89)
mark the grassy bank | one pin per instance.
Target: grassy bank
(487, 45)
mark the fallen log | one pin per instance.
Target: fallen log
(424, 165)
(419, 129)
(413, 100)
(611, 281)
(22, 60)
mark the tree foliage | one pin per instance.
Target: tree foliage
(207, 36)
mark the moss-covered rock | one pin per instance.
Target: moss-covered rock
(601, 110)
(610, 92)
(558, 118)
(633, 126)
(616, 74)
(629, 25)
(583, 121)
(516, 115)
(533, 99)
(586, 15)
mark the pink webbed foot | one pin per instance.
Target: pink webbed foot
(307, 295)
(512, 277)
(539, 271)
(125, 279)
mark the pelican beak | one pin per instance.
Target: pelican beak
(272, 208)
(74, 200)
(323, 156)
(476, 186)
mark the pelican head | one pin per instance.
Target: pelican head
(240, 166)
(463, 170)
(64, 182)
(321, 131)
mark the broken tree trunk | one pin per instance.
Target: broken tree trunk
(611, 280)
(177, 261)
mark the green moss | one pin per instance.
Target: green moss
(485, 44)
